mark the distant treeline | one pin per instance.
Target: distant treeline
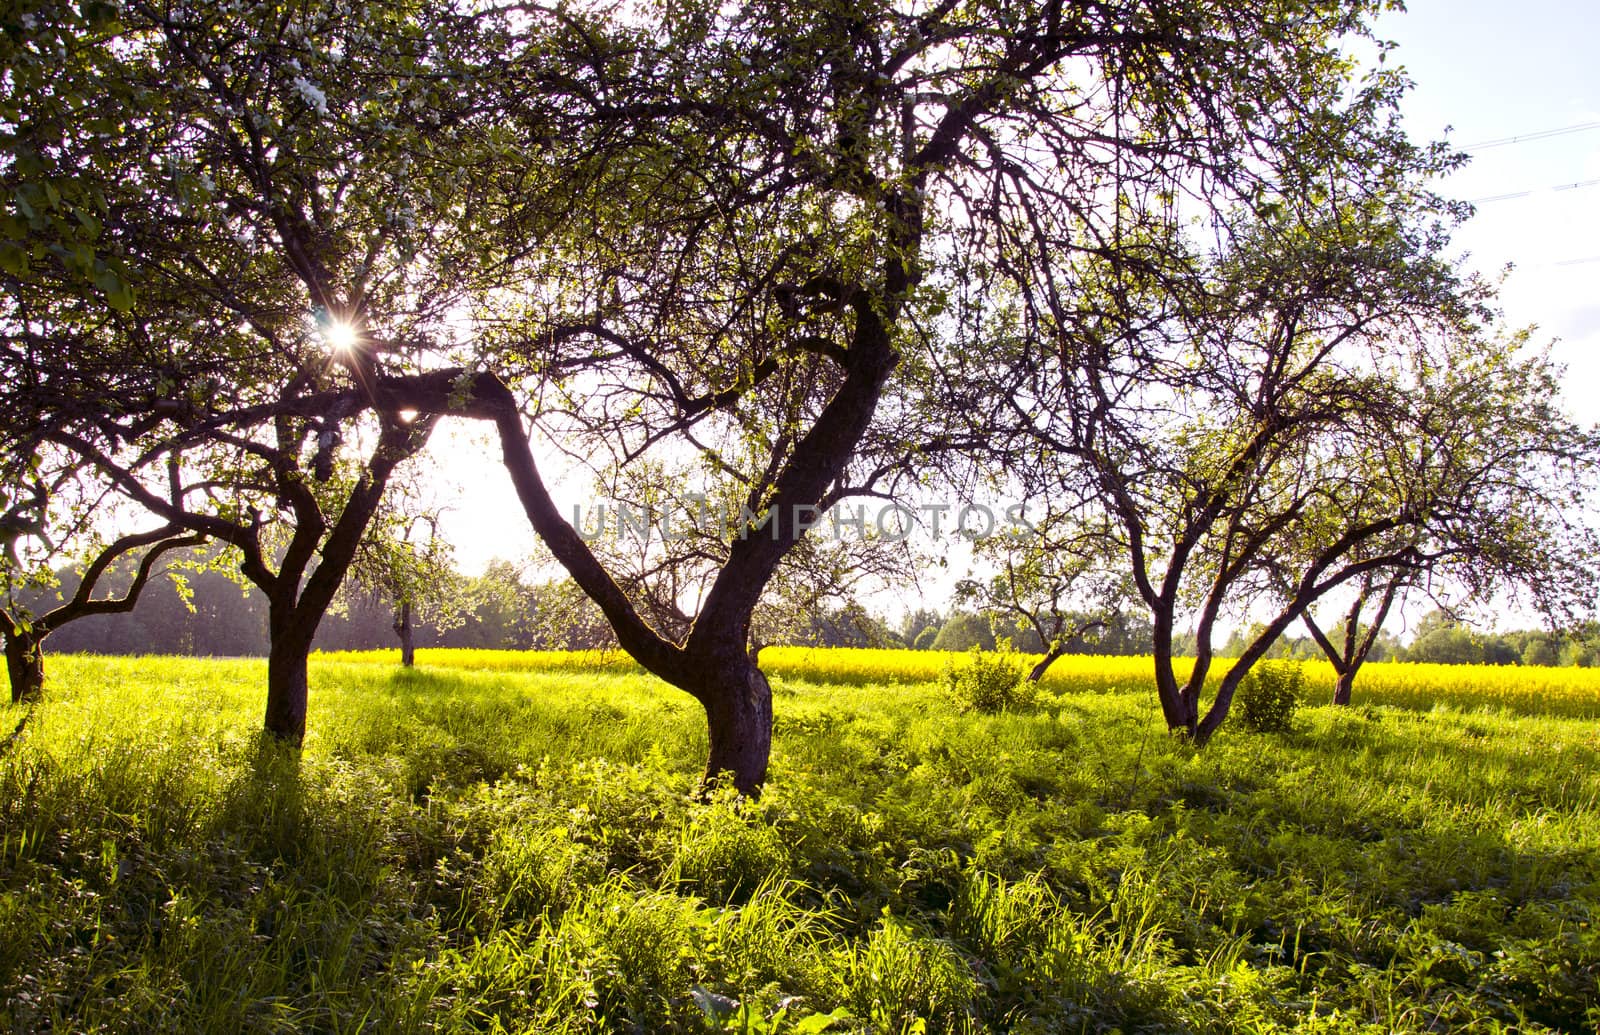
(497, 609)
(1439, 640)
(501, 609)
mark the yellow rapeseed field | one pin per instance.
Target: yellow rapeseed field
(1525, 689)
(1529, 690)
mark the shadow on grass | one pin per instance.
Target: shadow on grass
(263, 807)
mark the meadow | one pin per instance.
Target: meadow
(513, 843)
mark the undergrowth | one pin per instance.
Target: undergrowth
(503, 851)
(989, 682)
(1269, 695)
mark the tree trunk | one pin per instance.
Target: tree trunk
(1342, 685)
(286, 691)
(1220, 704)
(1044, 664)
(25, 666)
(738, 704)
(1180, 714)
(402, 629)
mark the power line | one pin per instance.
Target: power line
(1520, 138)
(1531, 193)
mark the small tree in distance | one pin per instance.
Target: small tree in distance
(1352, 641)
(1055, 581)
(404, 562)
(964, 631)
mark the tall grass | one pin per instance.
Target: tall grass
(485, 847)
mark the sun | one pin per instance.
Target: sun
(340, 336)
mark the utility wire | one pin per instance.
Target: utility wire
(1531, 193)
(1543, 134)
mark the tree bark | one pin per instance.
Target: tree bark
(402, 629)
(286, 689)
(25, 666)
(738, 703)
(1205, 729)
(1181, 716)
(1044, 664)
(1342, 686)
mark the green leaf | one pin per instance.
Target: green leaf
(13, 258)
(119, 293)
(821, 1022)
(90, 223)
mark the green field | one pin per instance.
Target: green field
(488, 844)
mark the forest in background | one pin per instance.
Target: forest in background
(505, 608)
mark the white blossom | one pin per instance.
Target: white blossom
(314, 98)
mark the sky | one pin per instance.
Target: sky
(1489, 71)
(1483, 72)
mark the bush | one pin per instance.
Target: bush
(991, 682)
(1269, 695)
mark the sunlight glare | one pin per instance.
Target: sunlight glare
(340, 336)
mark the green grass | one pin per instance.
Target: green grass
(492, 849)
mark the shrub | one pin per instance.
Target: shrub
(1269, 694)
(991, 682)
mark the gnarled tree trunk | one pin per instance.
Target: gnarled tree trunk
(402, 629)
(1343, 685)
(25, 665)
(1050, 656)
(287, 689)
(738, 703)
(1180, 712)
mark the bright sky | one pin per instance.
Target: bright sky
(1487, 70)
(1494, 71)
